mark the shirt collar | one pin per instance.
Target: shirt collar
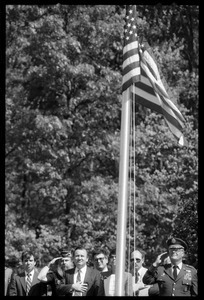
(179, 266)
(105, 269)
(32, 272)
(83, 270)
(140, 270)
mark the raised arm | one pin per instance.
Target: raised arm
(150, 276)
(43, 273)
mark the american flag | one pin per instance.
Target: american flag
(141, 76)
(131, 67)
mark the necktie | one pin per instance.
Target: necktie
(78, 279)
(175, 272)
(28, 284)
(136, 276)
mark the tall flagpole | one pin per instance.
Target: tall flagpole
(131, 74)
(123, 195)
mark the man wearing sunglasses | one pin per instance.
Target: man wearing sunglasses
(176, 278)
(137, 260)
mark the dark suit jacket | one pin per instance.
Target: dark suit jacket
(186, 283)
(92, 277)
(18, 286)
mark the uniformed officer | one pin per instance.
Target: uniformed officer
(176, 278)
(54, 272)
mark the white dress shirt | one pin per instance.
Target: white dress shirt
(82, 275)
(140, 286)
(140, 275)
(31, 275)
(178, 269)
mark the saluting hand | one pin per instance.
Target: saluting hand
(160, 258)
(53, 261)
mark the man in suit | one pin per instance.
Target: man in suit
(176, 278)
(80, 280)
(137, 259)
(26, 283)
(55, 269)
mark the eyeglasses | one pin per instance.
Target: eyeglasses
(175, 249)
(100, 258)
(136, 259)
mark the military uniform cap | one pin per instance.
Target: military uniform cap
(113, 252)
(176, 241)
(66, 252)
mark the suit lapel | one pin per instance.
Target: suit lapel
(168, 271)
(87, 279)
(35, 278)
(181, 273)
(22, 280)
(87, 275)
(70, 276)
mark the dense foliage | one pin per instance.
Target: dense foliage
(63, 115)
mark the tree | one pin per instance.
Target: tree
(63, 113)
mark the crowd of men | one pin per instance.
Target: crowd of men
(74, 274)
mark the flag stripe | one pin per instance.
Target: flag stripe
(152, 102)
(171, 117)
(128, 55)
(150, 67)
(146, 87)
(134, 66)
(165, 101)
(145, 90)
(177, 133)
(134, 59)
(147, 99)
(155, 84)
(161, 92)
(130, 50)
(129, 82)
(173, 108)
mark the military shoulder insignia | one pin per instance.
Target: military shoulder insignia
(190, 267)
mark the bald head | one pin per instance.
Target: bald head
(137, 259)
